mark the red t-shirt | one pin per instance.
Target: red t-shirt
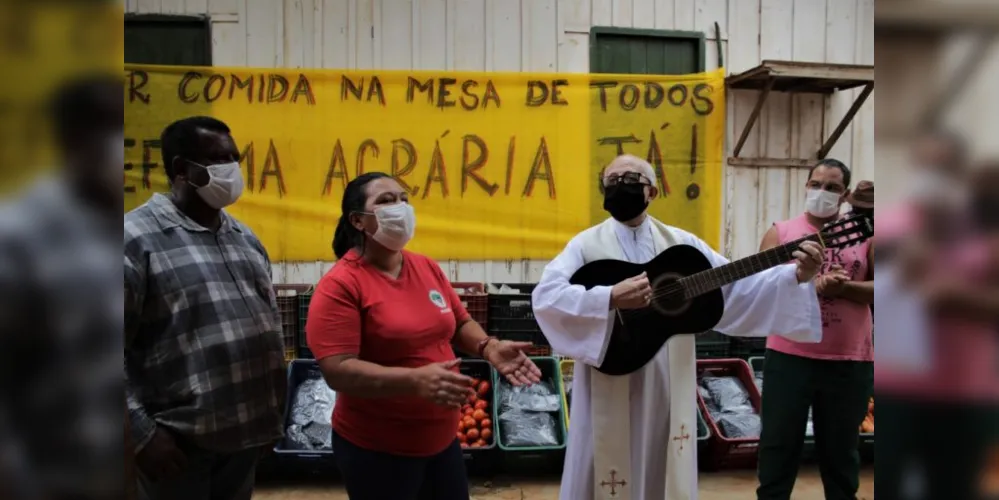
(405, 322)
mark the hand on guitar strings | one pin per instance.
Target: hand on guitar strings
(809, 257)
(632, 293)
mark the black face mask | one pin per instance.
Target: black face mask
(625, 201)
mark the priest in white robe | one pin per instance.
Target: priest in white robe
(633, 437)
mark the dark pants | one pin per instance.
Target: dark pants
(838, 393)
(208, 476)
(371, 475)
(945, 446)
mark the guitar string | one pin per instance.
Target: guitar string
(678, 287)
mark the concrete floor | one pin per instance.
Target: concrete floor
(732, 485)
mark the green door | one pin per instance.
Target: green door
(167, 40)
(648, 52)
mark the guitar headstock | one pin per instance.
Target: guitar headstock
(847, 232)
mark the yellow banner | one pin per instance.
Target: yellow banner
(499, 165)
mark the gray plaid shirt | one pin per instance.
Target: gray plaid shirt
(203, 348)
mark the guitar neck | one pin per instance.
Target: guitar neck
(715, 278)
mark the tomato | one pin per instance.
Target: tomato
(475, 382)
(471, 398)
(461, 436)
(483, 388)
(486, 423)
(486, 434)
(472, 434)
(481, 404)
(480, 443)
(465, 407)
(464, 445)
(469, 423)
(468, 412)
(461, 426)
(480, 415)
(476, 445)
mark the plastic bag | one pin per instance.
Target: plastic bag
(739, 425)
(528, 428)
(311, 415)
(540, 397)
(728, 395)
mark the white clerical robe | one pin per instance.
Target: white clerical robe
(578, 322)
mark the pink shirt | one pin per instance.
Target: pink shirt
(846, 325)
(965, 353)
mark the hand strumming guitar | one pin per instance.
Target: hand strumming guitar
(632, 293)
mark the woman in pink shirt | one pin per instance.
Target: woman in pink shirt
(834, 377)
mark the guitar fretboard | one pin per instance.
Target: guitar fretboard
(712, 279)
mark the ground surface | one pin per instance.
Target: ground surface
(733, 485)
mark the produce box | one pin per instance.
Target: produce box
(477, 428)
(723, 451)
(299, 371)
(535, 458)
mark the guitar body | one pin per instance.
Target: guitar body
(643, 332)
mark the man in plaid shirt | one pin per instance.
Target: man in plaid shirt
(204, 360)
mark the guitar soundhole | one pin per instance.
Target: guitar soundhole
(667, 294)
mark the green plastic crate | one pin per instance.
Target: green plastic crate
(534, 458)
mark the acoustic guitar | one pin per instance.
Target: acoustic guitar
(686, 290)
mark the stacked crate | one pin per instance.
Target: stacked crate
(304, 299)
(511, 317)
(287, 297)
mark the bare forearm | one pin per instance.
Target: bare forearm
(859, 291)
(364, 379)
(468, 337)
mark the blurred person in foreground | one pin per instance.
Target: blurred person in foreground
(937, 378)
(834, 378)
(619, 429)
(204, 360)
(383, 325)
(60, 305)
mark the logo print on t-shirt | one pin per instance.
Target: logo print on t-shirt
(437, 299)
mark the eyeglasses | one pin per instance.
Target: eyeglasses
(622, 178)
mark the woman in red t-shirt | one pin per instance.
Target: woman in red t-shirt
(382, 324)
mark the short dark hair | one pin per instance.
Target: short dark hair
(181, 137)
(833, 163)
(81, 105)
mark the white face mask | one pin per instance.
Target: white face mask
(822, 203)
(396, 225)
(225, 185)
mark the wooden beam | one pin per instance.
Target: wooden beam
(831, 141)
(771, 162)
(753, 117)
